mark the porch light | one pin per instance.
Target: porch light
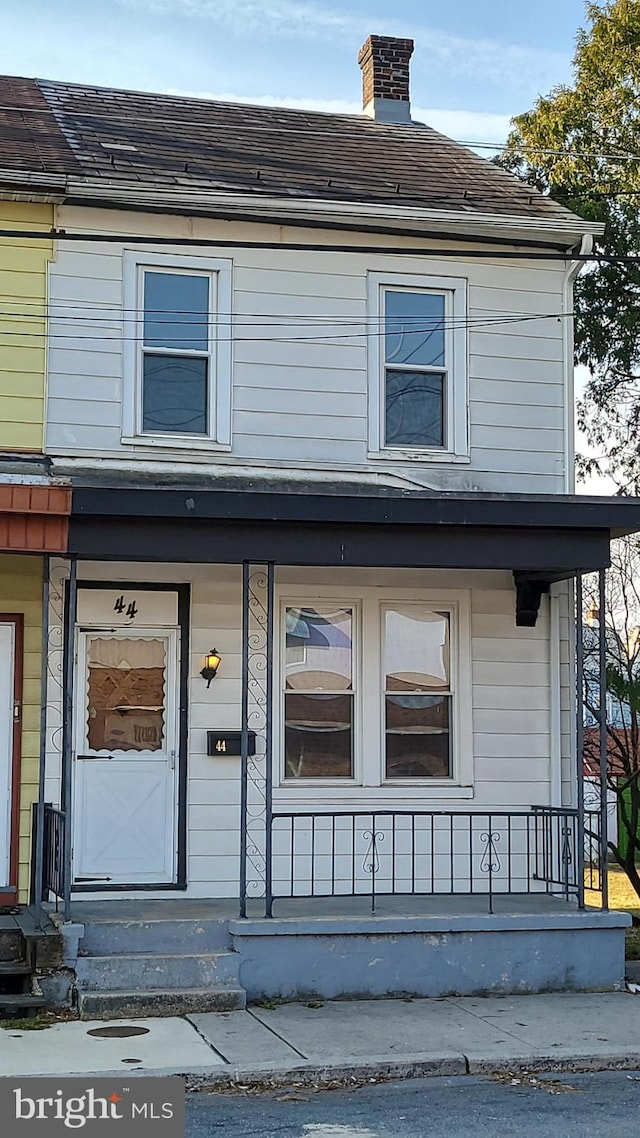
(212, 662)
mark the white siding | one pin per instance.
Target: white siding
(299, 381)
(511, 703)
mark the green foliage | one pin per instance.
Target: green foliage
(581, 145)
(31, 1023)
(625, 689)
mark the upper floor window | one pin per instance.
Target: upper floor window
(176, 366)
(417, 367)
(178, 359)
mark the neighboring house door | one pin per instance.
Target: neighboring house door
(10, 723)
(126, 757)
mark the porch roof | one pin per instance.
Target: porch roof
(356, 503)
(542, 538)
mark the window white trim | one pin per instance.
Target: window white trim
(454, 289)
(220, 387)
(368, 604)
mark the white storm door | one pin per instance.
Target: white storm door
(125, 786)
(7, 681)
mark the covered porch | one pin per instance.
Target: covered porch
(433, 859)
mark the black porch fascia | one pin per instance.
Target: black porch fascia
(541, 538)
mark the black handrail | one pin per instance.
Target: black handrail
(375, 853)
(53, 864)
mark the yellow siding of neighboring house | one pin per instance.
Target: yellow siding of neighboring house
(23, 298)
(21, 592)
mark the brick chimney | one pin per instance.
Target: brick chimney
(385, 78)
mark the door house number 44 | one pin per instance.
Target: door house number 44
(123, 605)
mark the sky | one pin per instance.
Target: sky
(476, 63)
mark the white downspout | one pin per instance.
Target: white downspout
(559, 592)
(573, 268)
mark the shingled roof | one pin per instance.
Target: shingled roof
(109, 136)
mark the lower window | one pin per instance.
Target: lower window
(369, 691)
(417, 693)
(318, 693)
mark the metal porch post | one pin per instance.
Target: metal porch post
(604, 834)
(38, 840)
(580, 735)
(268, 758)
(244, 745)
(67, 730)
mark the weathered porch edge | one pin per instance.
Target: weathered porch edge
(430, 956)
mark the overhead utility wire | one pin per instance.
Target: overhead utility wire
(327, 336)
(164, 316)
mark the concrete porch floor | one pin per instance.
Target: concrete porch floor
(306, 909)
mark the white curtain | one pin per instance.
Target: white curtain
(417, 647)
(126, 654)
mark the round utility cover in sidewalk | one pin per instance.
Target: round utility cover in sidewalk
(117, 1032)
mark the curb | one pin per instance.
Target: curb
(347, 1072)
(552, 1064)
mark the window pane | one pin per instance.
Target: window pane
(416, 650)
(125, 694)
(175, 394)
(176, 311)
(414, 404)
(318, 736)
(318, 650)
(414, 328)
(417, 736)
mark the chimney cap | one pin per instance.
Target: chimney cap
(386, 43)
(385, 78)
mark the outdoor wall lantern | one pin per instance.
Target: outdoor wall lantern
(212, 662)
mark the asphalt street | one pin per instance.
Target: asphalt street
(603, 1105)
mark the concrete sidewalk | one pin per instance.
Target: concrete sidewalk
(359, 1039)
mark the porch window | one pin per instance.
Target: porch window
(418, 694)
(177, 351)
(319, 693)
(374, 691)
(417, 367)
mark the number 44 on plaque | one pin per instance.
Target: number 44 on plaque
(129, 608)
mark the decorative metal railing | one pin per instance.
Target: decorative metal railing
(53, 877)
(593, 850)
(426, 852)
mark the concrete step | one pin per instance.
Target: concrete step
(20, 1003)
(176, 1002)
(14, 968)
(163, 971)
(11, 942)
(111, 937)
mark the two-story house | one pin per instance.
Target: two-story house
(34, 508)
(312, 648)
